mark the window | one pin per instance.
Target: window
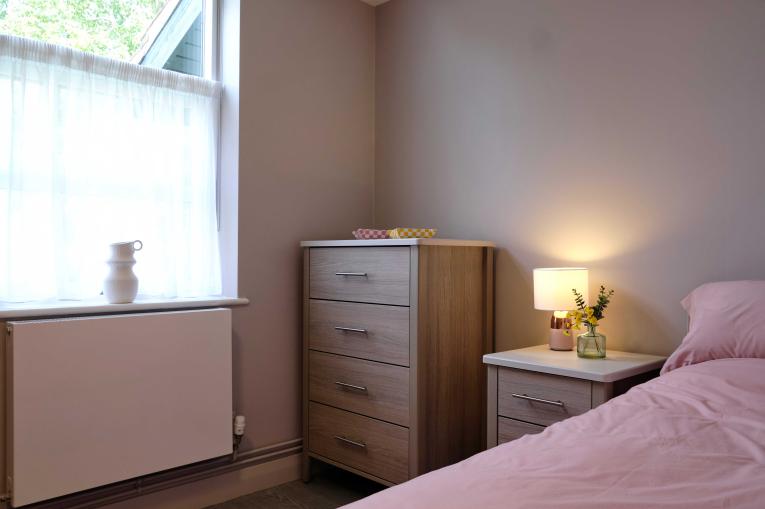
(95, 151)
(180, 38)
(168, 34)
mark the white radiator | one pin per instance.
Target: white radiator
(96, 400)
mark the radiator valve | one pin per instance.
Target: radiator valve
(239, 425)
(238, 434)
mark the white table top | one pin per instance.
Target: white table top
(616, 365)
(396, 242)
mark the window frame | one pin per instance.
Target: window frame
(224, 65)
(210, 43)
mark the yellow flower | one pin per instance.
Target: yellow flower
(575, 317)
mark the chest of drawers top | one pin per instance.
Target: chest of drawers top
(396, 242)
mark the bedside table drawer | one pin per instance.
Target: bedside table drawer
(540, 398)
(372, 446)
(367, 331)
(510, 429)
(364, 387)
(378, 275)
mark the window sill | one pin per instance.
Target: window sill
(100, 306)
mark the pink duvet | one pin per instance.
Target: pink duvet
(693, 438)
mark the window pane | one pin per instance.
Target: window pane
(95, 154)
(187, 56)
(110, 28)
(156, 33)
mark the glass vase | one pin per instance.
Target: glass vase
(591, 344)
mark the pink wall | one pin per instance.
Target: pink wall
(486, 113)
(306, 171)
(639, 122)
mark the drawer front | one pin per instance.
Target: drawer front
(369, 445)
(570, 395)
(510, 429)
(360, 274)
(364, 387)
(381, 332)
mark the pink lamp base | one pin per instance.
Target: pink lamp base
(559, 341)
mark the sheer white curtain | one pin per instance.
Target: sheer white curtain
(95, 151)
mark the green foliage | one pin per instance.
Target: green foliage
(579, 299)
(604, 299)
(111, 28)
(589, 315)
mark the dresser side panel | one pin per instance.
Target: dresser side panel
(415, 467)
(451, 340)
(491, 406)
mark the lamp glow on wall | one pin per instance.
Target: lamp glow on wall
(552, 292)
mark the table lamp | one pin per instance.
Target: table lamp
(552, 292)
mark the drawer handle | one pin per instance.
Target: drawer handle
(351, 274)
(351, 329)
(539, 400)
(351, 386)
(354, 443)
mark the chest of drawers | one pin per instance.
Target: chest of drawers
(394, 334)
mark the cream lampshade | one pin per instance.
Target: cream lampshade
(552, 292)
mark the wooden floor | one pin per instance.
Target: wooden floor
(329, 489)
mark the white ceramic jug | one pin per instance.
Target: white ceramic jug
(121, 285)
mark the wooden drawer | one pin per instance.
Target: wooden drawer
(572, 395)
(382, 332)
(364, 387)
(369, 445)
(372, 274)
(510, 429)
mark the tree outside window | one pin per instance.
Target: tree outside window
(157, 33)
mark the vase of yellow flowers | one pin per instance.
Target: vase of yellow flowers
(591, 344)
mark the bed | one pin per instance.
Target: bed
(691, 438)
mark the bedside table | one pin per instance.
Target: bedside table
(531, 388)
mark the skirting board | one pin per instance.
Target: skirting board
(215, 490)
(194, 486)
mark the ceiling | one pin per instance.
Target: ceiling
(374, 2)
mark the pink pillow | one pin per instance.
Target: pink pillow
(727, 321)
